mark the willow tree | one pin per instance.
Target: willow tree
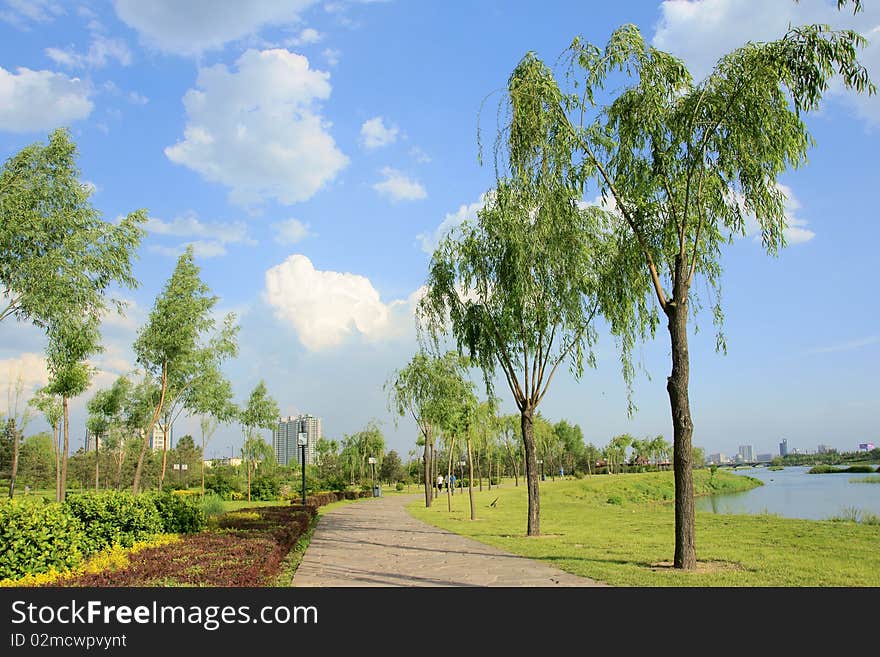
(681, 165)
(424, 389)
(167, 345)
(49, 404)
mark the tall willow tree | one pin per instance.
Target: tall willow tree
(681, 165)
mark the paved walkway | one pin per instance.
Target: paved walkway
(377, 543)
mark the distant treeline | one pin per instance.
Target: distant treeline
(829, 458)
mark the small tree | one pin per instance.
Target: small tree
(15, 425)
(261, 412)
(50, 406)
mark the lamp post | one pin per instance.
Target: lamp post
(302, 440)
(461, 464)
(372, 462)
(541, 463)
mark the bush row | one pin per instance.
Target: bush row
(37, 537)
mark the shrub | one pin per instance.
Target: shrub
(114, 517)
(212, 504)
(265, 487)
(399, 486)
(38, 538)
(181, 514)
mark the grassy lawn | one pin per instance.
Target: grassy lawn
(619, 530)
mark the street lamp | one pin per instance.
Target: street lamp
(541, 463)
(302, 440)
(461, 465)
(372, 462)
(180, 467)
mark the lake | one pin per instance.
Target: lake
(792, 493)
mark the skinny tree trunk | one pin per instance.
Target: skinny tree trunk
(448, 473)
(56, 433)
(203, 463)
(528, 432)
(683, 429)
(149, 432)
(489, 466)
(480, 471)
(96, 464)
(63, 486)
(429, 494)
(471, 479)
(14, 471)
(164, 453)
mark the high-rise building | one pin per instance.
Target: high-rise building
(747, 452)
(157, 440)
(823, 449)
(783, 447)
(718, 459)
(765, 458)
(284, 438)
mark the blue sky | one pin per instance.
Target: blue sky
(313, 152)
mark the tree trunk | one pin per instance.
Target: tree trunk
(165, 453)
(203, 464)
(683, 429)
(56, 434)
(471, 479)
(528, 432)
(249, 477)
(489, 466)
(429, 494)
(480, 471)
(96, 463)
(63, 485)
(449, 472)
(14, 471)
(140, 464)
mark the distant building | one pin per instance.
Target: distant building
(718, 459)
(157, 440)
(866, 447)
(223, 460)
(824, 449)
(783, 447)
(747, 452)
(284, 438)
(765, 458)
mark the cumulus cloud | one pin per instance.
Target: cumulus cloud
(101, 51)
(31, 368)
(430, 240)
(328, 307)
(332, 56)
(41, 100)
(21, 13)
(375, 134)
(701, 32)
(795, 231)
(290, 231)
(398, 187)
(306, 37)
(189, 28)
(258, 130)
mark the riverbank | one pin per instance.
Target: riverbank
(619, 530)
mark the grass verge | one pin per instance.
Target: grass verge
(620, 530)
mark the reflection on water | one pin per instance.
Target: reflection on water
(793, 493)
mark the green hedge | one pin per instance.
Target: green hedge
(35, 538)
(112, 517)
(180, 514)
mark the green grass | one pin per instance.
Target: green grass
(830, 469)
(627, 543)
(865, 480)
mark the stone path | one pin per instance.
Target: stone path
(377, 543)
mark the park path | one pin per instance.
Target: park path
(377, 543)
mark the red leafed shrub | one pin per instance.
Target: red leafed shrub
(243, 551)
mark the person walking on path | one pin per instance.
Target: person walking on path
(451, 483)
(439, 483)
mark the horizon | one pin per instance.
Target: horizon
(322, 256)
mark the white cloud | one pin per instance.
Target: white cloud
(189, 28)
(290, 231)
(398, 187)
(327, 307)
(795, 231)
(31, 367)
(41, 100)
(258, 130)
(701, 32)
(188, 225)
(22, 12)
(306, 37)
(201, 249)
(846, 346)
(430, 241)
(137, 99)
(101, 51)
(419, 155)
(375, 134)
(332, 56)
